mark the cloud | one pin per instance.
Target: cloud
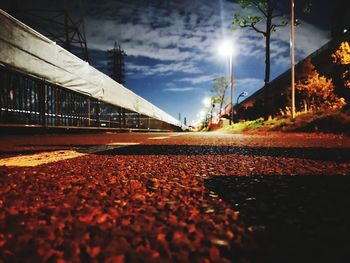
(183, 89)
(160, 31)
(183, 35)
(161, 69)
(199, 79)
(171, 87)
(170, 42)
(249, 82)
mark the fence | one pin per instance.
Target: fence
(26, 100)
(43, 84)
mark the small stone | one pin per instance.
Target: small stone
(256, 228)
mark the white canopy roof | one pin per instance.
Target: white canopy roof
(26, 50)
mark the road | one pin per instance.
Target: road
(175, 197)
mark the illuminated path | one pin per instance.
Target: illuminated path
(185, 197)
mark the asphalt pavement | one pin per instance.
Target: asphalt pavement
(175, 197)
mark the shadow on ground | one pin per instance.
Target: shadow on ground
(324, 154)
(340, 155)
(292, 219)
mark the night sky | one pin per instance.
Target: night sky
(172, 46)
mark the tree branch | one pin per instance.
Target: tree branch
(254, 27)
(261, 10)
(279, 25)
(274, 26)
(258, 30)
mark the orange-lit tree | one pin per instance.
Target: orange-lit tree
(342, 57)
(317, 91)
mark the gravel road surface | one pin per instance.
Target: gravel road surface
(175, 197)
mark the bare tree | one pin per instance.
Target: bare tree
(219, 90)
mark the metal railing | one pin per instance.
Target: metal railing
(29, 101)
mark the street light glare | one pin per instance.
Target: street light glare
(226, 49)
(206, 101)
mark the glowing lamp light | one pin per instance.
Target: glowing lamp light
(206, 101)
(226, 49)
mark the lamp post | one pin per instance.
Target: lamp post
(231, 87)
(227, 51)
(292, 57)
(242, 94)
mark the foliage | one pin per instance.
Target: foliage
(305, 69)
(219, 90)
(317, 91)
(342, 57)
(268, 11)
(257, 123)
(243, 126)
(321, 121)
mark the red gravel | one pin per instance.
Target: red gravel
(150, 202)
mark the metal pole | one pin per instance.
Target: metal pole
(231, 87)
(292, 58)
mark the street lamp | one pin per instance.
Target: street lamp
(242, 94)
(226, 50)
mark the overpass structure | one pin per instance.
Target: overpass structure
(44, 85)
